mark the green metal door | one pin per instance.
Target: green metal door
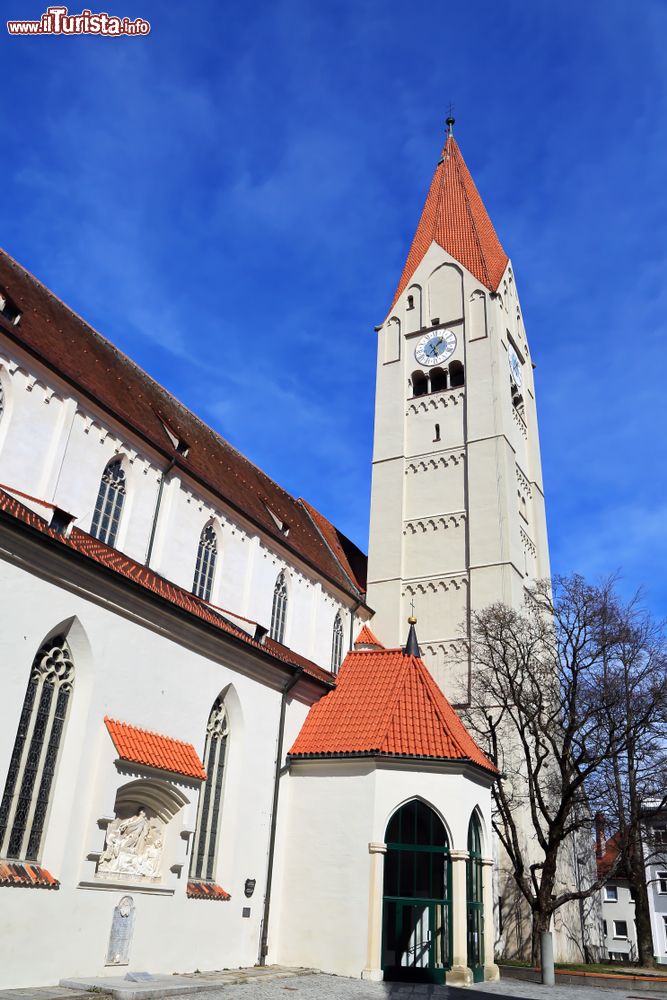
(475, 901)
(417, 927)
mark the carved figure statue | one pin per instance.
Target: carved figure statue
(133, 846)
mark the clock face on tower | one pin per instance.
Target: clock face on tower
(515, 367)
(434, 348)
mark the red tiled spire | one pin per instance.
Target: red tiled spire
(386, 703)
(367, 638)
(455, 218)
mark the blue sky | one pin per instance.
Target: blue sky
(231, 201)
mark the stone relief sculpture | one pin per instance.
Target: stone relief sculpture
(133, 847)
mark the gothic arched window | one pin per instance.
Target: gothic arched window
(207, 555)
(33, 762)
(279, 609)
(202, 862)
(109, 504)
(337, 644)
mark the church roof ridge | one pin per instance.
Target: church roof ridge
(454, 217)
(54, 333)
(386, 704)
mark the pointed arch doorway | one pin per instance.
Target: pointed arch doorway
(475, 901)
(416, 909)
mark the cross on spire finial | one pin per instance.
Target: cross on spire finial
(412, 620)
(450, 120)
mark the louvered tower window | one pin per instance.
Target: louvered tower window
(2, 401)
(25, 800)
(207, 554)
(202, 863)
(337, 644)
(279, 609)
(110, 498)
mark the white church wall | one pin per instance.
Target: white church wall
(138, 675)
(320, 916)
(55, 446)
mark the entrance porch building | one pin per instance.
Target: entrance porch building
(385, 845)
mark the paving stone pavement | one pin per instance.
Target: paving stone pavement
(321, 987)
(316, 986)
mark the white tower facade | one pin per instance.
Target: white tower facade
(457, 504)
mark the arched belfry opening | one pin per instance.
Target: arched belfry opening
(417, 915)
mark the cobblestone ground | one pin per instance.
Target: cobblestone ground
(320, 987)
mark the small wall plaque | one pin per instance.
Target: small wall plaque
(250, 884)
(246, 911)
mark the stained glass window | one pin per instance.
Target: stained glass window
(202, 862)
(279, 609)
(110, 498)
(33, 762)
(207, 554)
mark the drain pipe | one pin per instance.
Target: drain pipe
(158, 504)
(352, 614)
(264, 943)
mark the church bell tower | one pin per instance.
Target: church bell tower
(457, 504)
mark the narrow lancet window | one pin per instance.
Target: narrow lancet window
(110, 499)
(32, 766)
(202, 862)
(207, 554)
(337, 644)
(279, 609)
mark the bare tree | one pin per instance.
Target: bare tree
(630, 788)
(548, 682)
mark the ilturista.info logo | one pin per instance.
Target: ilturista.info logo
(58, 21)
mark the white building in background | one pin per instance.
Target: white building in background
(189, 778)
(618, 896)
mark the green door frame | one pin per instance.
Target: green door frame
(417, 868)
(475, 901)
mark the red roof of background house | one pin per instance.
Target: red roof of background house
(351, 558)
(131, 570)
(155, 750)
(609, 858)
(85, 359)
(367, 638)
(386, 703)
(455, 218)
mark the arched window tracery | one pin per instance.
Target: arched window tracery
(109, 505)
(36, 750)
(207, 555)
(279, 609)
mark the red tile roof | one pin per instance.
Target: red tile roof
(141, 746)
(608, 860)
(367, 638)
(207, 890)
(386, 703)
(455, 218)
(349, 557)
(85, 359)
(26, 875)
(138, 574)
